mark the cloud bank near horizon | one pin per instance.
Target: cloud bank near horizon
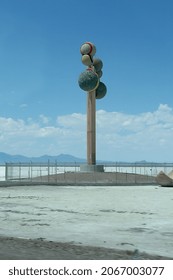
(120, 136)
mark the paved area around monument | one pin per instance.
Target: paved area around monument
(136, 218)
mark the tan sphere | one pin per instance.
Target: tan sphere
(88, 48)
(86, 60)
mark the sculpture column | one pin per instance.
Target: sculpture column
(89, 81)
(91, 127)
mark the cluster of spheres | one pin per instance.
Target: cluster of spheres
(89, 80)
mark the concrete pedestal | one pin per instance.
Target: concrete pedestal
(91, 168)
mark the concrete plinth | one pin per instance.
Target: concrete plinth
(91, 168)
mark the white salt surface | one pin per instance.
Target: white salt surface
(135, 217)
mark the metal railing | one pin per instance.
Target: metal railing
(44, 171)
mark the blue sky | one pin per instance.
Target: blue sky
(42, 106)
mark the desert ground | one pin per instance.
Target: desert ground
(86, 222)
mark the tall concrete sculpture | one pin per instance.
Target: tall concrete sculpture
(89, 81)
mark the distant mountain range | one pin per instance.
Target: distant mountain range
(45, 158)
(62, 158)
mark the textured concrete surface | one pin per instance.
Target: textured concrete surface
(85, 179)
(121, 217)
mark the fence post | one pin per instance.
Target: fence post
(6, 171)
(48, 170)
(56, 172)
(135, 173)
(19, 171)
(31, 170)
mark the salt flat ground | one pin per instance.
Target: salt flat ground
(120, 217)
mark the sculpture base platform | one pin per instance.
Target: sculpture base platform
(91, 168)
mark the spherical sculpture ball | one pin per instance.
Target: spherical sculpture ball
(88, 48)
(100, 73)
(98, 64)
(101, 91)
(88, 80)
(87, 60)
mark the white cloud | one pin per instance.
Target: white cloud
(44, 119)
(74, 120)
(120, 136)
(136, 137)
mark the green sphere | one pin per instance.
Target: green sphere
(88, 80)
(101, 91)
(100, 73)
(98, 64)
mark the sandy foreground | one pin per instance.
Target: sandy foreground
(23, 249)
(55, 222)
